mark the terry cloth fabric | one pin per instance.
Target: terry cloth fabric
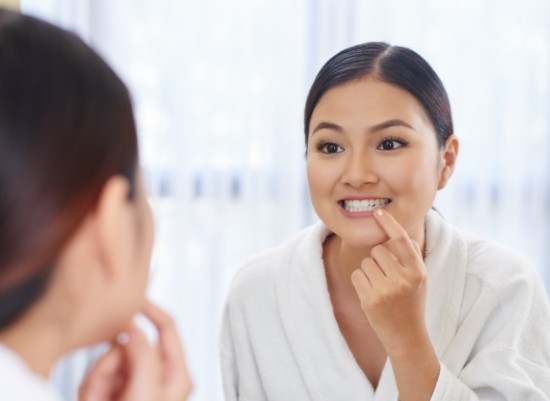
(487, 315)
(19, 383)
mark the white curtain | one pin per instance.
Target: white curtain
(219, 87)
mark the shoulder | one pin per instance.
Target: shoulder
(487, 257)
(508, 274)
(257, 275)
(492, 265)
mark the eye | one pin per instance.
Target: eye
(329, 148)
(391, 144)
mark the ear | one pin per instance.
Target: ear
(449, 155)
(113, 224)
(87, 265)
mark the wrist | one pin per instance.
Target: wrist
(410, 343)
(416, 368)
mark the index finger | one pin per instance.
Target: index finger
(388, 223)
(401, 245)
(168, 340)
(177, 382)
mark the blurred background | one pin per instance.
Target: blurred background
(219, 88)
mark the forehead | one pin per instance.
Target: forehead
(369, 101)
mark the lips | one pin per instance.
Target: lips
(363, 205)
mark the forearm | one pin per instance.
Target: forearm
(416, 368)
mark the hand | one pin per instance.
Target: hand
(391, 285)
(134, 370)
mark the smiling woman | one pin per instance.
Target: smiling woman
(386, 155)
(384, 299)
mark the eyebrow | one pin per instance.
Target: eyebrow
(390, 123)
(378, 127)
(327, 125)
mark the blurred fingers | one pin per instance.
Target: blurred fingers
(175, 374)
(104, 379)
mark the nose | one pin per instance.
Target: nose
(360, 170)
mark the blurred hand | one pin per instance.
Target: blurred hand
(135, 370)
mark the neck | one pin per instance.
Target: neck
(341, 260)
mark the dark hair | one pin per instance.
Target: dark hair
(392, 64)
(66, 126)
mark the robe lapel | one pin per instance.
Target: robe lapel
(446, 259)
(329, 370)
(386, 390)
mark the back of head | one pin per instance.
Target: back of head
(394, 65)
(66, 126)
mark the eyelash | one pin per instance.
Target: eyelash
(392, 139)
(321, 147)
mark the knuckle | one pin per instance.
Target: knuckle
(357, 275)
(402, 240)
(367, 263)
(377, 250)
(421, 280)
(371, 304)
(404, 287)
(419, 276)
(401, 290)
(167, 322)
(381, 299)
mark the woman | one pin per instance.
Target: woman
(384, 299)
(75, 226)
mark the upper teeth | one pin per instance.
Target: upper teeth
(364, 205)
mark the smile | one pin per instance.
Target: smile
(363, 205)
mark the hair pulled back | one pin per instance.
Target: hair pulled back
(66, 127)
(394, 65)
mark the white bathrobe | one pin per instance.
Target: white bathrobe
(487, 314)
(19, 383)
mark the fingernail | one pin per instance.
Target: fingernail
(123, 338)
(379, 212)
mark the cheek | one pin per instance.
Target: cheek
(399, 176)
(418, 174)
(319, 181)
(313, 176)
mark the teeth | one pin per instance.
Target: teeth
(365, 205)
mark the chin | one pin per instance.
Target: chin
(363, 238)
(368, 242)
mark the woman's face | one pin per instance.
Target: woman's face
(370, 145)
